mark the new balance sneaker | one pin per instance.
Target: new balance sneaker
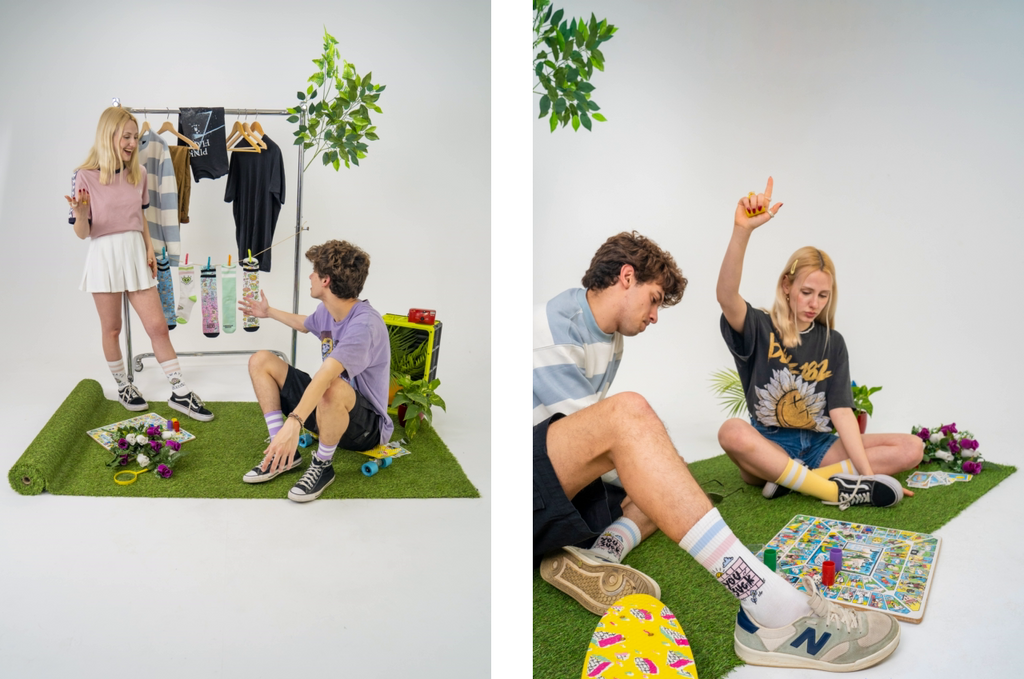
(878, 490)
(258, 475)
(130, 398)
(773, 490)
(191, 405)
(595, 583)
(832, 638)
(318, 476)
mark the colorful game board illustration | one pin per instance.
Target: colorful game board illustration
(884, 569)
(104, 435)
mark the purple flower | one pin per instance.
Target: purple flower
(949, 429)
(174, 445)
(156, 446)
(164, 471)
(123, 460)
(924, 434)
(970, 444)
(954, 447)
(153, 431)
(971, 467)
(122, 444)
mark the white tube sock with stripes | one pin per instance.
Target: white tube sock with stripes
(173, 372)
(617, 540)
(764, 595)
(118, 371)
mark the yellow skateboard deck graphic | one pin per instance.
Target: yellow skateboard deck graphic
(386, 450)
(638, 637)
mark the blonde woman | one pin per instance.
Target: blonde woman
(796, 375)
(109, 195)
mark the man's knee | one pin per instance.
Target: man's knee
(340, 396)
(630, 405)
(262, 361)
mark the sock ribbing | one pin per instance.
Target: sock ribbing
(618, 539)
(799, 478)
(118, 371)
(275, 420)
(326, 452)
(843, 467)
(173, 372)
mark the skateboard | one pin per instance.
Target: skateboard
(638, 637)
(382, 456)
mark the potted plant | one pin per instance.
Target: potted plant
(862, 407)
(414, 400)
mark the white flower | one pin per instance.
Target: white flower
(141, 439)
(130, 439)
(142, 460)
(944, 455)
(936, 438)
(967, 453)
(167, 435)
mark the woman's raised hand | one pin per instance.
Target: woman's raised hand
(750, 205)
(79, 204)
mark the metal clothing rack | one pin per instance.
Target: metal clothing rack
(298, 240)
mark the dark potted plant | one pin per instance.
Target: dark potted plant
(862, 407)
(414, 400)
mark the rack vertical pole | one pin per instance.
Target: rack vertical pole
(298, 229)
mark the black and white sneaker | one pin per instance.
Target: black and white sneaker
(773, 490)
(257, 475)
(878, 490)
(191, 405)
(131, 399)
(318, 476)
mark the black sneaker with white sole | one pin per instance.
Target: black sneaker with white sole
(878, 490)
(258, 475)
(191, 405)
(131, 399)
(318, 476)
(774, 490)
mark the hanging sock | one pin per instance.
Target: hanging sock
(251, 290)
(229, 299)
(211, 323)
(166, 289)
(186, 292)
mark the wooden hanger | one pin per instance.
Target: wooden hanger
(167, 127)
(253, 139)
(237, 133)
(145, 128)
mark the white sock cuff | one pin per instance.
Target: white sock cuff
(697, 538)
(629, 527)
(171, 366)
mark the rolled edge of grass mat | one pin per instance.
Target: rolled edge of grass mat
(45, 454)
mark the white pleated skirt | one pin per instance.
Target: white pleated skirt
(117, 263)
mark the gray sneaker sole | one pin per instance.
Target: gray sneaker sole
(767, 659)
(263, 478)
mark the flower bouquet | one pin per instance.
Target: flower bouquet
(953, 449)
(145, 445)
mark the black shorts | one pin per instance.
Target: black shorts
(363, 430)
(559, 521)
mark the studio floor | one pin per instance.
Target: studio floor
(105, 587)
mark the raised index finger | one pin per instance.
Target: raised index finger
(768, 191)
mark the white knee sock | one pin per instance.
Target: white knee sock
(173, 372)
(118, 371)
(763, 594)
(617, 540)
(186, 293)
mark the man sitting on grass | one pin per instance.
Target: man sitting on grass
(345, 402)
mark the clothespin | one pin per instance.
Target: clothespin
(208, 267)
(186, 258)
(229, 260)
(164, 255)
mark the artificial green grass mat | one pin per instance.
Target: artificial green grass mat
(707, 612)
(65, 461)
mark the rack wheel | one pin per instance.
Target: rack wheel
(306, 440)
(369, 468)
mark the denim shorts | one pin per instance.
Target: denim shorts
(809, 447)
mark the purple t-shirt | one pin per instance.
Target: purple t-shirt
(360, 343)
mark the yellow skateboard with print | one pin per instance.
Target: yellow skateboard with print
(639, 637)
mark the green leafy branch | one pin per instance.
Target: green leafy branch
(727, 386)
(418, 397)
(337, 124)
(564, 69)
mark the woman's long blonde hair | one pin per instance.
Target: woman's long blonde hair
(802, 262)
(104, 155)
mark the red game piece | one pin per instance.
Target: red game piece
(828, 573)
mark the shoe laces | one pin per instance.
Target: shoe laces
(829, 610)
(311, 475)
(855, 496)
(130, 392)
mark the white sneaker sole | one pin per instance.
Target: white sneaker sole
(134, 409)
(309, 497)
(263, 478)
(595, 584)
(191, 413)
(766, 659)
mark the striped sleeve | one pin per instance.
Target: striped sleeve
(162, 213)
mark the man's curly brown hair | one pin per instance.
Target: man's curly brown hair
(650, 263)
(344, 263)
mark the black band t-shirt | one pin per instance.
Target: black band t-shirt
(792, 388)
(205, 126)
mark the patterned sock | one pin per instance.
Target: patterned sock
(765, 596)
(186, 292)
(211, 323)
(251, 290)
(799, 478)
(228, 297)
(326, 452)
(118, 371)
(844, 467)
(275, 420)
(166, 289)
(617, 540)
(173, 372)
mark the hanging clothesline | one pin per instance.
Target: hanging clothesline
(297, 235)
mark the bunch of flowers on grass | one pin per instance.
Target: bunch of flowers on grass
(146, 446)
(951, 448)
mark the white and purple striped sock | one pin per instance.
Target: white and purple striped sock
(326, 452)
(765, 596)
(617, 540)
(275, 420)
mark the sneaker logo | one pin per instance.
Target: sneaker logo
(814, 645)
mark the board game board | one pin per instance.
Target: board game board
(104, 435)
(883, 569)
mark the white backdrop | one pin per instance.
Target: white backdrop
(419, 204)
(893, 132)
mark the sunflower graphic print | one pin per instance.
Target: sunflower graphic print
(790, 387)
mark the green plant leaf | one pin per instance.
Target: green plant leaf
(556, 17)
(554, 121)
(560, 105)
(293, 119)
(301, 96)
(545, 105)
(575, 123)
(585, 120)
(598, 116)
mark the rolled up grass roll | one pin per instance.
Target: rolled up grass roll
(45, 459)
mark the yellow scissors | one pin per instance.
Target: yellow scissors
(134, 475)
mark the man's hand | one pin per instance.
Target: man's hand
(278, 455)
(749, 205)
(260, 308)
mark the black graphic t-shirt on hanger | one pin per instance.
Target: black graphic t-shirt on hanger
(205, 126)
(256, 190)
